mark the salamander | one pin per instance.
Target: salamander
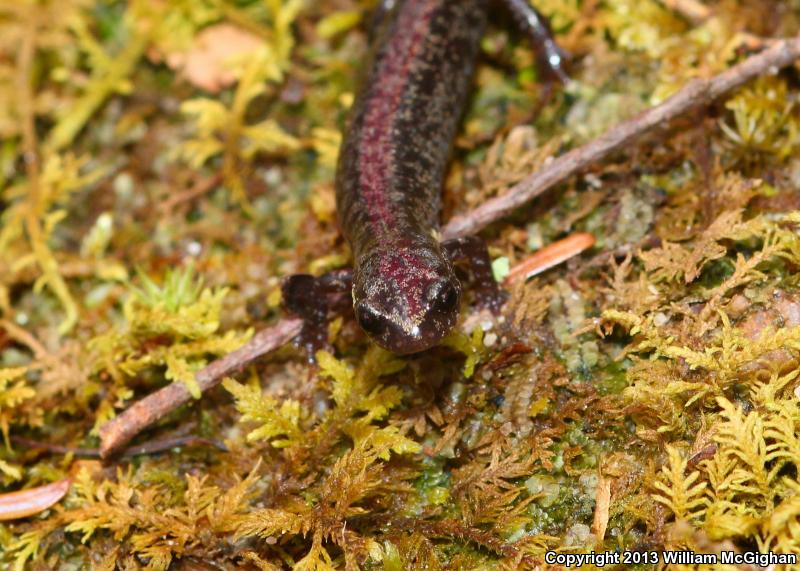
(405, 292)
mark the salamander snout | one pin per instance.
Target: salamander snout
(414, 319)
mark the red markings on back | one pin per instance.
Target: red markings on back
(376, 153)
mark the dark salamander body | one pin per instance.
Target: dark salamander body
(392, 164)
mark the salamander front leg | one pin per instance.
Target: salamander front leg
(314, 299)
(550, 58)
(470, 254)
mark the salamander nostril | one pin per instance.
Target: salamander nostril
(369, 319)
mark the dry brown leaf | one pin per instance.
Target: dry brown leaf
(206, 64)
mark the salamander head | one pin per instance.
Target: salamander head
(406, 299)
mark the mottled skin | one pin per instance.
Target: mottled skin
(388, 185)
(392, 163)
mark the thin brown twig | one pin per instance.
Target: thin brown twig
(152, 447)
(156, 446)
(28, 443)
(693, 10)
(197, 190)
(117, 432)
(696, 93)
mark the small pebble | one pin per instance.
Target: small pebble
(123, 184)
(578, 535)
(194, 248)
(593, 180)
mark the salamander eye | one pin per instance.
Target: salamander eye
(447, 298)
(369, 320)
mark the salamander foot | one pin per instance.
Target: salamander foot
(313, 299)
(551, 60)
(469, 254)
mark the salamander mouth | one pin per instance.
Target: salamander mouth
(414, 339)
(403, 332)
